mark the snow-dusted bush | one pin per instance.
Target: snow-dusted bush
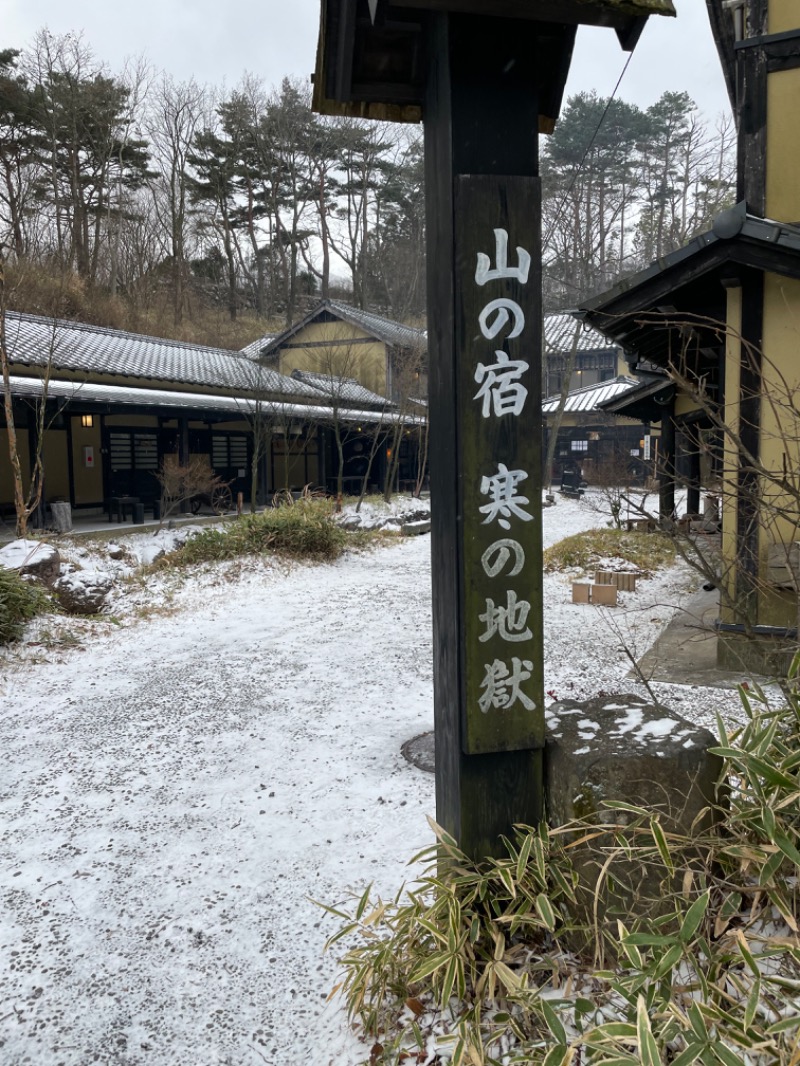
(303, 529)
(19, 602)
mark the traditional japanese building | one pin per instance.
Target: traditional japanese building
(590, 438)
(116, 403)
(337, 341)
(721, 317)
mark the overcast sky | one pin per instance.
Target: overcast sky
(216, 42)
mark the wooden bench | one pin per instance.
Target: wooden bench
(117, 507)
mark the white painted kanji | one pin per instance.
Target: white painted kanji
(502, 687)
(485, 272)
(497, 556)
(502, 310)
(504, 503)
(501, 390)
(509, 622)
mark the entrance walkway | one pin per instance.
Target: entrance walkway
(686, 651)
(97, 527)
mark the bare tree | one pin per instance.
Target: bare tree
(27, 497)
(176, 111)
(183, 482)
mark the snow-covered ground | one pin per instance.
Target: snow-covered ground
(182, 781)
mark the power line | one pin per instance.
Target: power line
(589, 147)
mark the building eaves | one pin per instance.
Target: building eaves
(394, 333)
(343, 390)
(655, 394)
(589, 397)
(255, 348)
(89, 396)
(36, 341)
(563, 333)
(735, 238)
(382, 329)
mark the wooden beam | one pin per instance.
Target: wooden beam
(722, 29)
(612, 13)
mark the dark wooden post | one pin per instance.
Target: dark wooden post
(666, 467)
(486, 77)
(692, 438)
(183, 440)
(481, 123)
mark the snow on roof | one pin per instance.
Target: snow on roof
(590, 397)
(383, 329)
(34, 341)
(254, 349)
(562, 331)
(338, 388)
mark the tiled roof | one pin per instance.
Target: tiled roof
(254, 349)
(347, 390)
(562, 330)
(73, 346)
(590, 397)
(383, 329)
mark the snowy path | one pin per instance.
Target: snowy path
(166, 817)
(171, 800)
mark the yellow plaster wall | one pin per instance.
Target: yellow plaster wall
(55, 458)
(364, 362)
(779, 443)
(6, 481)
(730, 457)
(88, 482)
(685, 405)
(784, 15)
(783, 145)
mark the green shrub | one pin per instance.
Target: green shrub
(303, 530)
(646, 551)
(20, 601)
(476, 962)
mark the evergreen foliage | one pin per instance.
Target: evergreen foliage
(20, 601)
(188, 205)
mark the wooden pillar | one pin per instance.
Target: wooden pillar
(483, 199)
(183, 440)
(748, 508)
(751, 93)
(666, 467)
(692, 438)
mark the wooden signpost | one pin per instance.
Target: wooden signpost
(488, 77)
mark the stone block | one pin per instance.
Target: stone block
(61, 512)
(625, 581)
(581, 592)
(621, 748)
(33, 559)
(83, 592)
(604, 595)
